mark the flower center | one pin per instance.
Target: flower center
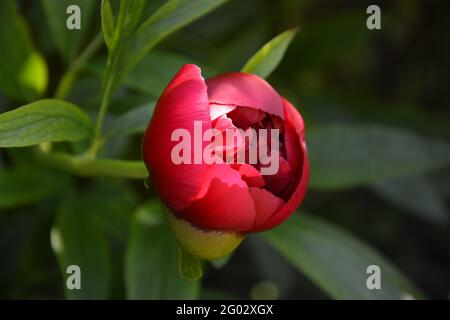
(252, 142)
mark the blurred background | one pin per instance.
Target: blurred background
(391, 84)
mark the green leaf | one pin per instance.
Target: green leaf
(349, 155)
(132, 122)
(23, 71)
(336, 261)
(37, 254)
(43, 121)
(107, 22)
(114, 202)
(155, 71)
(263, 62)
(417, 195)
(271, 266)
(190, 266)
(173, 15)
(68, 41)
(366, 108)
(440, 180)
(237, 48)
(131, 12)
(132, 18)
(76, 240)
(26, 184)
(151, 263)
(110, 79)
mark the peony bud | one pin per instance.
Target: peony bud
(227, 156)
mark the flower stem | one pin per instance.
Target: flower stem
(87, 167)
(109, 77)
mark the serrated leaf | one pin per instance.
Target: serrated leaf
(76, 240)
(263, 62)
(336, 261)
(349, 155)
(151, 263)
(43, 121)
(23, 71)
(107, 22)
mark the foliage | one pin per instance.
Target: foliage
(71, 174)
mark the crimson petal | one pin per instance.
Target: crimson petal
(266, 204)
(224, 202)
(294, 119)
(249, 174)
(244, 90)
(184, 101)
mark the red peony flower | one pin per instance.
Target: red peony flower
(207, 185)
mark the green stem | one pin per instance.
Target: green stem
(77, 65)
(88, 167)
(106, 98)
(109, 80)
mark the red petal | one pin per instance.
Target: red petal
(278, 183)
(224, 202)
(266, 204)
(293, 119)
(249, 174)
(223, 123)
(244, 117)
(294, 128)
(244, 90)
(183, 101)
